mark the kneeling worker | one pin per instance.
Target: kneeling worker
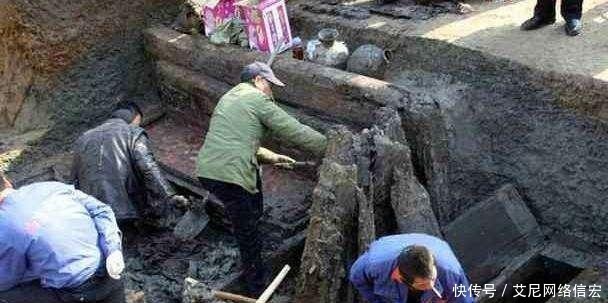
(410, 268)
(114, 163)
(57, 245)
(229, 160)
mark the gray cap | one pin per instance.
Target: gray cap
(262, 69)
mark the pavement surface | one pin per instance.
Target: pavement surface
(494, 28)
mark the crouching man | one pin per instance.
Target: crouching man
(114, 163)
(57, 244)
(410, 268)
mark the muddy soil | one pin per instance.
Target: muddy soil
(157, 264)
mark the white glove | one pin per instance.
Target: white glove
(115, 264)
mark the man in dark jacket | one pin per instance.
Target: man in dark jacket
(114, 164)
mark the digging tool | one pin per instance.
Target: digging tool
(265, 295)
(295, 164)
(194, 221)
(232, 297)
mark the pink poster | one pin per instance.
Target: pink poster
(217, 12)
(262, 25)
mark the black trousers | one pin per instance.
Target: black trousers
(570, 9)
(98, 289)
(244, 210)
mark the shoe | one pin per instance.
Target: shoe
(536, 22)
(573, 27)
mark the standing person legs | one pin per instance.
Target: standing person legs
(545, 9)
(572, 9)
(244, 210)
(544, 14)
(245, 216)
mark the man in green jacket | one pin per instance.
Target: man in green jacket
(228, 163)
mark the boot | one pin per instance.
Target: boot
(573, 27)
(536, 22)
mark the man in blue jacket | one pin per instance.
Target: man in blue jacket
(410, 268)
(57, 244)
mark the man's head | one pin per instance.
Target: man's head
(129, 112)
(5, 186)
(416, 267)
(260, 75)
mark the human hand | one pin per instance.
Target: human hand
(115, 264)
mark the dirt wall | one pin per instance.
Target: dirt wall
(498, 122)
(69, 61)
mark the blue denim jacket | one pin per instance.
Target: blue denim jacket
(52, 232)
(371, 273)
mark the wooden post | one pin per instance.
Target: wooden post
(331, 242)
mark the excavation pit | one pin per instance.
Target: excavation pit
(471, 129)
(474, 124)
(540, 271)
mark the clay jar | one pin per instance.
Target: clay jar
(326, 50)
(369, 60)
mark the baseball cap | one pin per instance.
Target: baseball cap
(262, 69)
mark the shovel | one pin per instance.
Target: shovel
(193, 222)
(295, 164)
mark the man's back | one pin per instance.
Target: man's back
(103, 166)
(48, 234)
(372, 272)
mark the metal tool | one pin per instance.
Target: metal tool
(193, 222)
(295, 164)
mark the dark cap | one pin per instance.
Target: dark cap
(262, 69)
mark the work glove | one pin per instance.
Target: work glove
(180, 201)
(266, 156)
(115, 264)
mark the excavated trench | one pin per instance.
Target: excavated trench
(159, 262)
(477, 150)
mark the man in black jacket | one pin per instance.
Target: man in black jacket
(113, 163)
